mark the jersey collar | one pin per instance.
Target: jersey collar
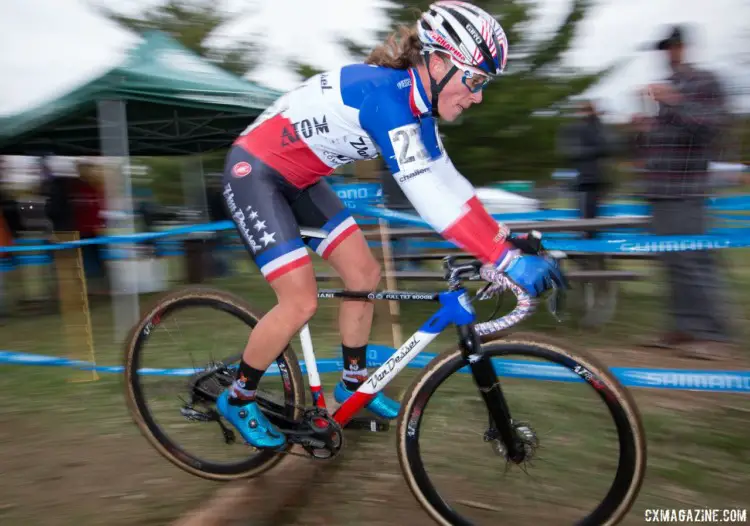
(418, 101)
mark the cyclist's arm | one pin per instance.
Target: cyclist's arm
(438, 192)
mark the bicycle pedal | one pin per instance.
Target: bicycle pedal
(373, 425)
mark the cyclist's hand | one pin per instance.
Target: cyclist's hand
(535, 274)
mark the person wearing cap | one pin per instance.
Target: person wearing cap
(675, 147)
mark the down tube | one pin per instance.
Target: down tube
(455, 308)
(384, 374)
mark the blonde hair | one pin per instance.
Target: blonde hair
(402, 50)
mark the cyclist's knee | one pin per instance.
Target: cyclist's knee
(366, 277)
(300, 307)
(373, 274)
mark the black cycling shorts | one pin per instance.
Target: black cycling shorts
(268, 212)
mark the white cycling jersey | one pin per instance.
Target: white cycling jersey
(359, 112)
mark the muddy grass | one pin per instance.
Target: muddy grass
(70, 455)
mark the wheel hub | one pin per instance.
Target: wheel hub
(525, 435)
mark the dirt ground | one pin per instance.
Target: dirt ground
(70, 454)
(55, 476)
(368, 487)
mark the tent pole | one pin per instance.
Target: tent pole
(113, 140)
(194, 185)
(202, 189)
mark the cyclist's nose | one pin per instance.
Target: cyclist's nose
(476, 98)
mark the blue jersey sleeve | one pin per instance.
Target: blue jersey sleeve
(439, 193)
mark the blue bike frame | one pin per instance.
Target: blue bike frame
(455, 308)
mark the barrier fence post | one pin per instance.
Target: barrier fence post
(74, 306)
(368, 172)
(390, 282)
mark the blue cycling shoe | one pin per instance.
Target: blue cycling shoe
(381, 405)
(251, 423)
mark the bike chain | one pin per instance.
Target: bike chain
(303, 408)
(307, 455)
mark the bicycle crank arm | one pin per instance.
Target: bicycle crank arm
(368, 424)
(306, 441)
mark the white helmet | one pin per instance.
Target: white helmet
(470, 36)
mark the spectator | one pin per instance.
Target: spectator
(583, 144)
(675, 147)
(10, 228)
(57, 194)
(88, 220)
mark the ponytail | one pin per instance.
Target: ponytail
(402, 50)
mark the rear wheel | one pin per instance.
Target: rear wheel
(590, 474)
(170, 393)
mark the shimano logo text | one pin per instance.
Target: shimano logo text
(674, 246)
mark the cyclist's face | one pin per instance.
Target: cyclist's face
(457, 95)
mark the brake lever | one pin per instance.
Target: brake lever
(556, 302)
(489, 291)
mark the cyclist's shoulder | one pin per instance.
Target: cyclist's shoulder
(365, 83)
(385, 97)
(373, 77)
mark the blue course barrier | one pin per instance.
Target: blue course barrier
(634, 243)
(680, 379)
(624, 240)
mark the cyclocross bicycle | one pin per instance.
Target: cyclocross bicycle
(315, 432)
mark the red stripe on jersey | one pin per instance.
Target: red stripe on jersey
(280, 146)
(412, 103)
(477, 233)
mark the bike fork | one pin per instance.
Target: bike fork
(486, 380)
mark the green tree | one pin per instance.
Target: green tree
(193, 23)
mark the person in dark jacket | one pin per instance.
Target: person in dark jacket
(58, 198)
(675, 149)
(583, 144)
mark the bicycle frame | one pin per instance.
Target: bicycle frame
(456, 308)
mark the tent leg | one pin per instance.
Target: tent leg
(194, 185)
(113, 139)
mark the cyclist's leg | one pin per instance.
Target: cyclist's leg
(346, 250)
(261, 212)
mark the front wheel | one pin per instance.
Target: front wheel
(584, 441)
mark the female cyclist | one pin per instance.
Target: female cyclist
(274, 183)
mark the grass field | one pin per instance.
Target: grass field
(70, 454)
